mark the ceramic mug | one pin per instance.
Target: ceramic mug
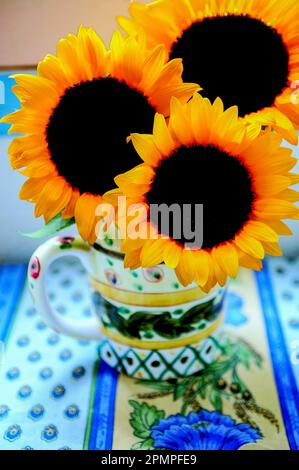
(148, 325)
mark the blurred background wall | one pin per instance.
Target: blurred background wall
(29, 29)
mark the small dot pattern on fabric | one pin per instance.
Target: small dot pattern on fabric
(284, 274)
(46, 378)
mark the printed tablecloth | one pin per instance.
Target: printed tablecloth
(55, 394)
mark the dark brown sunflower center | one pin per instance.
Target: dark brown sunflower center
(87, 132)
(238, 58)
(205, 175)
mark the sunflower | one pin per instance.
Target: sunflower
(208, 156)
(245, 51)
(76, 115)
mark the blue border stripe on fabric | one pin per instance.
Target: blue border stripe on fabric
(12, 280)
(284, 376)
(101, 433)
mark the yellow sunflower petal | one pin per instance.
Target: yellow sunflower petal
(278, 121)
(203, 263)
(290, 195)
(51, 69)
(280, 227)
(272, 249)
(178, 123)
(51, 196)
(227, 259)
(132, 259)
(69, 210)
(181, 273)
(59, 204)
(250, 262)
(260, 231)
(32, 187)
(85, 215)
(170, 75)
(127, 58)
(209, 285)
(172, 254)
(152, 252)
(136, 181)
(153, 65)
(275, 209)
(250, 245)
(39, 169)
(145, 147)
(130, 244)
(161, 137)
(92, 52)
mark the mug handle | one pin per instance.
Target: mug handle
(56, 247)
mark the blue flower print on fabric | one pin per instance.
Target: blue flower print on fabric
(23, 341)
(49, 433)
(46, 373)
(24, 392)
(36, 412)
(72, 412)
(4, 410)
(206, 430)
(58, 391)
(53, 339)
(78, 372)
(13, 433)
(41, 326)
(34, 356)
(65, 355)
(13, 373)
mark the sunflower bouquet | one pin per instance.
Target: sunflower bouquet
(190, 105)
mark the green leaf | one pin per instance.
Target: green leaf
(163, 324)
(53, 226)
(179, 390)
(215, 399)
(201, 388)
(143, 417)
(202, 393)
(156, 385)
(144, 445)
(258, 361)
(228, 348)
